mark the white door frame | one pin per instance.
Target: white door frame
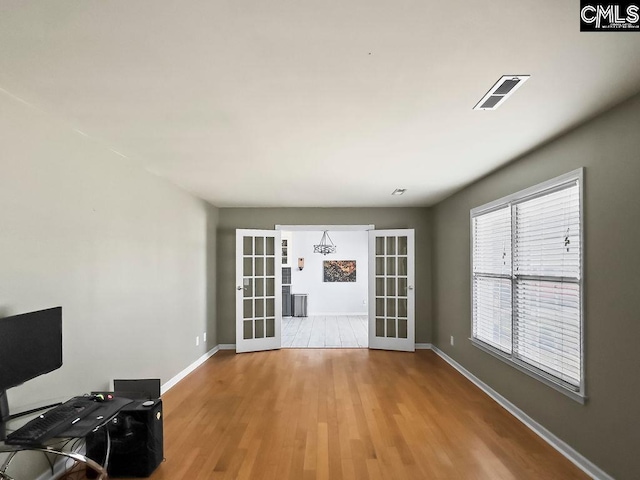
(375, 341)
(322, 228)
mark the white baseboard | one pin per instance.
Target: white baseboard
(60, 466)
(565, 449)
(59, 469)
(232, 346)
(171, 383)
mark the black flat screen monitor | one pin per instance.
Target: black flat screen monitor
(30, 345)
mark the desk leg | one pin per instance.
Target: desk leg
(102, 472)
(5, 465)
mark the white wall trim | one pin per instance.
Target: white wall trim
(423, 346)
(227, 346)
(171, 383)
(320, 228)
(59, 467)
(565, 449)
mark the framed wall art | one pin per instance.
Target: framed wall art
(339, 270)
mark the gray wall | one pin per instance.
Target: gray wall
(125, 253)
(267, 218)
(606, 429)
(134, 261)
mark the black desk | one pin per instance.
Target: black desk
(96, 419)
(93, 422)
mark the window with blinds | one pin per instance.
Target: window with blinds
(527, 281)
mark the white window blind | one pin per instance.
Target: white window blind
(492, 242)
(492, 278)
(547, 272)
(547, 234)
(526, 285)
(492, 311)
(547, 328)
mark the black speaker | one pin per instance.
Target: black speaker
(136, 441)
(139, 389)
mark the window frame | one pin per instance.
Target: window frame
(541, 189)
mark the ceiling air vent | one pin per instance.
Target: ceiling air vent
(502, 89)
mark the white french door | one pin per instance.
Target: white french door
(391, 290)
(258, 290)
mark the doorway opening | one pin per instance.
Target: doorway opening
(325, 297)
(391, 297)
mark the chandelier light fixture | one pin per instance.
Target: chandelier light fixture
(326, 245)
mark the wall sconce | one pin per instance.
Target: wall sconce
(300, 263)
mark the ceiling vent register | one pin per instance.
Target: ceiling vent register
(500, 91)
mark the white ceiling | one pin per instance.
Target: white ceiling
(312, 103)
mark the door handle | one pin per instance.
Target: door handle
(410, 287)
(239, 288)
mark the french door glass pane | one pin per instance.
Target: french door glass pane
(247, 329)
(248, 308)
(402, 265)
(391, 287)
(402, 328)
(391, 245)
(259, 245)
(259, 328)
(391, 328)
(259, 287)
(247, 246)
(248, 287)
(391, 266)
(271, 329)
(259, 266)
(402, 246)
(380, 266)
(402, 287)
(379, 327)
(271, 287)
(259, 310)
(247, 266)
(271, 246)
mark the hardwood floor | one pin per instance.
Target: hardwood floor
(344, 414)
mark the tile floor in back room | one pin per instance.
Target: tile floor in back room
(325, 331)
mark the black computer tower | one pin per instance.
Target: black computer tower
(136, 441)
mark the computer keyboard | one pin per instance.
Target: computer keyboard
(52, 422)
